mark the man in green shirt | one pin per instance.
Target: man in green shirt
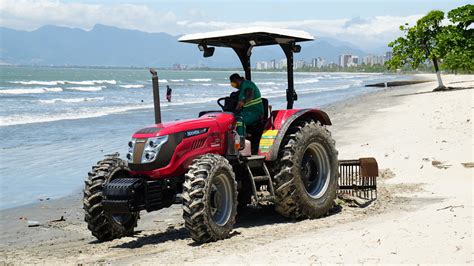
(250, 102)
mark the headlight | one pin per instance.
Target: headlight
(152, 147)
(131, 147)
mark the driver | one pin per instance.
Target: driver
(249, 103)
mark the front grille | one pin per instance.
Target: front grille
(198, 143)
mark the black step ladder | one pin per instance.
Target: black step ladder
(257, 162)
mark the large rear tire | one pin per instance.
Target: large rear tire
(306, 181)
(106, 226)
(209, 198)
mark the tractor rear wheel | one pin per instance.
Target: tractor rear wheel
(306, 181)
(105, 226)
(209, 198)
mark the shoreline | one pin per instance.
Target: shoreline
(372, 124)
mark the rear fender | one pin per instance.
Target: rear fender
(282, 120)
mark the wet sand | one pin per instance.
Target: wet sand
(423, 143)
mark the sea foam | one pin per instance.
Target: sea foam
(71, 100)
(29, 119)
(132, 86)
(200, 80)
(90, 88)
(63, 82)
(30, 90)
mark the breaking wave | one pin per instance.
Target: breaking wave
(30, 90)
(91, 88)
(88, 113)
(63, 82)
(71, 100)
(307, 81)
(200, 80)
(132, 86)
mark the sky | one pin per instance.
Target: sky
(367, 24)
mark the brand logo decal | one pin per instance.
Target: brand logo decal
(195, 132)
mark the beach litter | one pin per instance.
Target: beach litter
(468, 165)
(440, 165)
(33, 223)
(58, 220)
(451, 208)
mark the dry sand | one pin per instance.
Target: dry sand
(424, 213)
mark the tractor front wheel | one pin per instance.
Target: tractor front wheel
(105, 226)
(209, 198)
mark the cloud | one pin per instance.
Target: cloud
(32, 14)
(29, 15)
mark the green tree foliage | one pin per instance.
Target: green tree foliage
(456, 41)
(452, 44)
(419, 44)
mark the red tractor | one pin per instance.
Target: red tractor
(200, 163)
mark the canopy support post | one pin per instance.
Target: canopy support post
(244, 56)
(291, 95)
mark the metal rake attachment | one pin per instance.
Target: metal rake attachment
(358, 178)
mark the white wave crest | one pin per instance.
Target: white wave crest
(267, 83)
(35, 82)
(200, 80)
(91, 88)
(202, 100)
(307, 81)
(30, 90)
(88, 113)
(163, 80)
(177, 80)
(132, 86)
(71, 100)
(91, 82)
(62, 82)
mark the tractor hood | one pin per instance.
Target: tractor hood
(221, 120)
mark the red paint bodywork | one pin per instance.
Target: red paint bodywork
(216, 123)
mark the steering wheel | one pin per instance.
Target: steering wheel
(220, 104)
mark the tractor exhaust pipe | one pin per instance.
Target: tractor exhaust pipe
(156, 95)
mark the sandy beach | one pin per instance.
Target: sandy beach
(423, 142)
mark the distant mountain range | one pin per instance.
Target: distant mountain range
(111, 46)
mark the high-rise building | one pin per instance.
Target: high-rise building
(368, 60)
(318, 62)
(261, 65)
(354, 61)
(344, 59)
(272, 64)
(371, 60)
(388, 56)
(299, 64)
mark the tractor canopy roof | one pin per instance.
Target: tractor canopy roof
(243, 40)
(254, 36)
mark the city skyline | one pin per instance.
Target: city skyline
(345, 60)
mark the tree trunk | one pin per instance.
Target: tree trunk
(441, 86)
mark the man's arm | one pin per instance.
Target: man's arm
(247, 97)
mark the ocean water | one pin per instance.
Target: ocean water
(55, 123)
